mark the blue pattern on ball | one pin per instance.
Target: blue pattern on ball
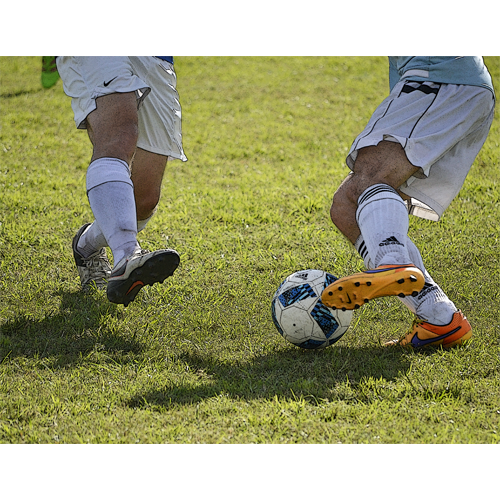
(310, 344)
(325, 319)
(296, 294)
(329, 279)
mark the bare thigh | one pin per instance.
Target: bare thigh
(113, 126)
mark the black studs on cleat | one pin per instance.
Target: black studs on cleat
(350, 292)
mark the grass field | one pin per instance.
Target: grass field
(198, 360)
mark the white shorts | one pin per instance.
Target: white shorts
(152, 79)
(442, 128)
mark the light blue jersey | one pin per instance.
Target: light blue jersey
(457, 70)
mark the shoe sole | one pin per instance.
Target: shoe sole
(353, 291)
(460, 341)
(154, 270)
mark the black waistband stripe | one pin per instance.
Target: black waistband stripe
(407, 89)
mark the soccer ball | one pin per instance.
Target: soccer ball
(301, 317)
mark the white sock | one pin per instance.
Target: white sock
(431, 304)
(141, 224)
(382, 218)
(111, 197)
(91, 240)
(360, 246)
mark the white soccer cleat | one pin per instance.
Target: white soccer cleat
(94, 270)
(140, 269)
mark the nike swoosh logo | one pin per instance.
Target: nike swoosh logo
(107, 83)
(416, 342)
(137, 283)
(375, 271)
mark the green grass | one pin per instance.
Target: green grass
(198, 360)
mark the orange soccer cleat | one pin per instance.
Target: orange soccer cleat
(357, 289)
(425, 334)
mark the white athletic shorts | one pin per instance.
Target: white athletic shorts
(152, 79)
(442, 128)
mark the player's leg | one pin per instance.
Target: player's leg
(113, 130)
(470, 111)
(437, 317)
(368, 203)
(380, 208)
(147, 174)
(140, 267)
(160, 138)
(438, 320)
(115, 198)
(449, 149)
(107, 93)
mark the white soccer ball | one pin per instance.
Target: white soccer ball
(301, 317)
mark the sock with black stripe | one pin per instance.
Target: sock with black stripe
(431, 304)
(382, 219)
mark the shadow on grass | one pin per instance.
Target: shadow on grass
(76, 329)
(8, 95)
(287, 374)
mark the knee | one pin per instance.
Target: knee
(146, 204)
(119, 143)
(344, 202)
(337, 208)
(123, 142)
